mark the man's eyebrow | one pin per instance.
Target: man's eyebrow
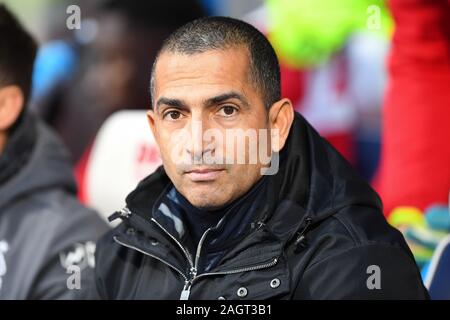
(226, 96)
(176, 103)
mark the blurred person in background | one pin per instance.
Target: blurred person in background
(111, 70)
(415, 166)
(414, 175)
(46, 236)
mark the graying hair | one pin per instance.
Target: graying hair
(219, 33)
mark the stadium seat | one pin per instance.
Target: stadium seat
(124, 152)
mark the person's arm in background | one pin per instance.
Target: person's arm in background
(67, 269)
(415, 160)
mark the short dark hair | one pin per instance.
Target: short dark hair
(217, 33)
(17, 53)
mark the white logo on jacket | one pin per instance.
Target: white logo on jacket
(81, 255)
(4, 247)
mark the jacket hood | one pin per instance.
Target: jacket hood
(49, 166)
(316, 177)
(312, 174)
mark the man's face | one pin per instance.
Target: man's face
(199, 99)
(11, 106)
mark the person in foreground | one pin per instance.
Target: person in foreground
(213, 222)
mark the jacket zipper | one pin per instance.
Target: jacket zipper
(185, 293)
(122, 213)
(188, 284)
(194, 265)
(186, 253)
(150, 255)
(193, 271)
(300, 239)
(125, 213)
(187, 288)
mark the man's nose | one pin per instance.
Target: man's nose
(196, 147)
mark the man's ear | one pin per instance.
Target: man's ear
(11, 105)
(281, 116)
(151, 121)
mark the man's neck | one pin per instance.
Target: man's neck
(16, 147)
(3, 139)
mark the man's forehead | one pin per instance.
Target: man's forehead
(211, 66)
(196, 78)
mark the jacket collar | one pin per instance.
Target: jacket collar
(18, 148)
(47, 166)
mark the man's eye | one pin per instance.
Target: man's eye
(173, 115)
(228, 111)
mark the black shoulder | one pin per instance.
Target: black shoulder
(351, 246)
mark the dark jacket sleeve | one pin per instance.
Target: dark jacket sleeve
(370, 271)
(68, 268)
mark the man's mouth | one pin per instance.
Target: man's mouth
(204, 174)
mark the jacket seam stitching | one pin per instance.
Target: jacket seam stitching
(349, 230)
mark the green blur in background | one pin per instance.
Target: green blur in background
(306, 32)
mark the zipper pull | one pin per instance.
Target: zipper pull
(300, 242)
(257, 225)
(122, 214)
(193, 272)
(186, 291)
(188, 284)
